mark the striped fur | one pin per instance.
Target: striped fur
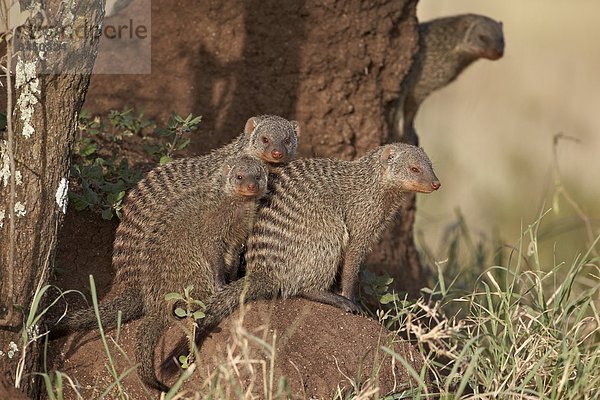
(185, 223)
(320, 219)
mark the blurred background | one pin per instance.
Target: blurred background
(490, 133)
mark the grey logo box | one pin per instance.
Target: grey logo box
(125, 45)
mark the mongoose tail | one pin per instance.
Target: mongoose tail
(334, 299)
(128, 302)
(148, 334)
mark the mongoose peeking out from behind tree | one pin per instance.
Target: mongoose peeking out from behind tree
(318, 221)
(446, 47)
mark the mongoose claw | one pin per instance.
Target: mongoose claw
(356, 308)
(350, 306)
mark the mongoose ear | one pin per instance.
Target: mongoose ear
(296, 127)
(226, 169)
(386, 155)
(251, 125)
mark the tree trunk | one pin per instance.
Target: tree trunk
(50, 84)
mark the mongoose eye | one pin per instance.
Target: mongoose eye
(287, 141)
(265, 139)
(415, 170)
(483, 38)
(240, 177)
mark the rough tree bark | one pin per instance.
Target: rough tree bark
(53, 58)
(336, 66)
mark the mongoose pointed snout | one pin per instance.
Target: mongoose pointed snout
(494, 54)
(276, 154)
(435, 185)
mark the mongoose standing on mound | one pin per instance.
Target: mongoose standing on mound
(198, 242)
(270, 138)
(319, 220)
(446, 47)
(158, 198)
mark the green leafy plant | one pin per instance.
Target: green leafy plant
(103, 184)
(126, 123)
(101, 173)
(377, 286)
(174, 134)
(192, 311)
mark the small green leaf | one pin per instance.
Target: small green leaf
(201, 304)
(88, 150)
(183, 360)
(173, 296)
(180, 312)
(198, 315)
(77, 201)
(388, 298)
(183, 144)
(165, 159)
(188, 289)
(107, 214)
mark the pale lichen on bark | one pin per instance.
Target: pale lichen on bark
(27, 82)
(61, 195)
(5, 166)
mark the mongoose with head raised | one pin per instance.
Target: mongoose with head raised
(158, 198)
(318, 221)
(446, 47)
(270, 138)
(197, 242)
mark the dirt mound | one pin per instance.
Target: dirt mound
(317, 348)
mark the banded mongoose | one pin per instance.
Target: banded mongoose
(156, 200)
(318, 220)
(270, 138)
(446, 47)
(198, 242)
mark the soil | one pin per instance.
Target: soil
(317, 348)
(228, 61)
(8, 391)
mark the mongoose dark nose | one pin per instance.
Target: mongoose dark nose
(435, 185)
(251, 187)
(276, 154)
